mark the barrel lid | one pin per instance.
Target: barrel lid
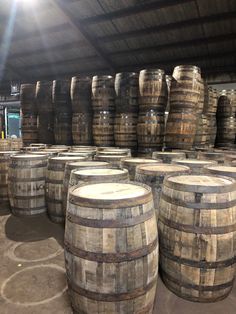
(71, 154)
(88, 163)
(100, 172)
(222, 170)
(160, 169)
(64, 159)
(194, 162)
(140, 161)
(9, 152)
(169, 154)
(111, 195)
(200, 183)
(29, 156)
(110, 156)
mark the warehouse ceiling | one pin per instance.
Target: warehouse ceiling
(60, 38)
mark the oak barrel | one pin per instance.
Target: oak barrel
(44, 97)
(26, 184)
(81, 94)
(5, 145)
(114, 160)
(82, 128)
(196, 166)
(46, 127)
(54, 186)
(167, 157)
(103, 93)
(61, 96)
(120, 252)
(29, 129)
(103, 128)
(62, 128)
(131, 163)
(219, 157)
(221, 170)
(197, 225)
(27, 99)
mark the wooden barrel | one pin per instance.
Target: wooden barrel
(131, 163)
(78, 165)
(224, 108)
(169, 79)
(127, 92)
(122, 268)
(185, 87)
(196, 166)
(114, 152)
(167, 157)
(103, 93)
(87, 155)
(29, 129)
(81, 128)
(88, 152)
(125, 130)
(200, 103)
(191, 154)
(153, 90)
(103, 128)
(150, 132)
(154, 174)
(26, 184)
(180, 129)
(81, 94)
(5, 145)
(219, 157)
(226, 129)
(5, 158)
(114, 160)
(27, 99)
(44, 97)
(210, 105)
(226, 171)
(15, 144)
(61, 96)
(202, 137)
(54, 186)
(62, 128)
(46, 128)
(229, 158)
(197, 225)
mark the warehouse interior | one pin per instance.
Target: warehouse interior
(74, 111)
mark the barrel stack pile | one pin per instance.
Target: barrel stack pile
(62, 107)
(103, 103)
(184, 97)
(125, 129)
(45, 112)
(82, 114)
(225, 117)
(29, 114)
(152, 105)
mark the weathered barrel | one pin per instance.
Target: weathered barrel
(115, 252)
(185, 87)
(15, 144)
(219, 157)
(180, 129)
(131, 163)
(196, 166)
(103, 93)
(54, 186)
(78, 165)
(169, 79)
(224, 107)
(62, 128)
(191, 154)
(46, 127)
(202, 136)
(210, 105)
(114, 151)
(220, 170)
(150, 132)
(197, 225)
(81, 94)
(87, 155)
(125, 130)
(226, 129)
(229, 159)
(5, 145)
(153, 90)
(200, 104)
(154, 174)
(29, 129)
(114, 160)
(5, 158)
(82, 128)
(88, 152)
(44, 97)
(61, 96)
(103, 128)
(167, 157)
(127, 92)
(27, 99)
(26, 184)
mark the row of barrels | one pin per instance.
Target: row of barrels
(109, 208)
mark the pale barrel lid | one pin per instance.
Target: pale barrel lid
(140, 161)
(100, 172)
(194, 162)
(29, 157)
(88, 163)
(160, 169)
(222, 170)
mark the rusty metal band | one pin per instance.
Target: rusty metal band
(29, 208)
(197, 204)
(26, 180)
(197, 264)
(111, 297)
(196, 229)
(117, 223)
(196, 287)
(22, 166)
(112, 257)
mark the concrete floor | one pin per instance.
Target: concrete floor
(33, 281)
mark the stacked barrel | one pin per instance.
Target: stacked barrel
(62, 107)
(82, 114)
(125, 129)
(152, 105)
(45, 112)
(225, 123)
(184, 98)
(103, 103)
(29, 114)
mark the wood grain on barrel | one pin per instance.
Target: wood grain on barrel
(131, 163)
(196, 166)
(167, 157)
(197, 225)
(115, 267)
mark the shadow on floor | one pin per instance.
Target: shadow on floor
(33, 228)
